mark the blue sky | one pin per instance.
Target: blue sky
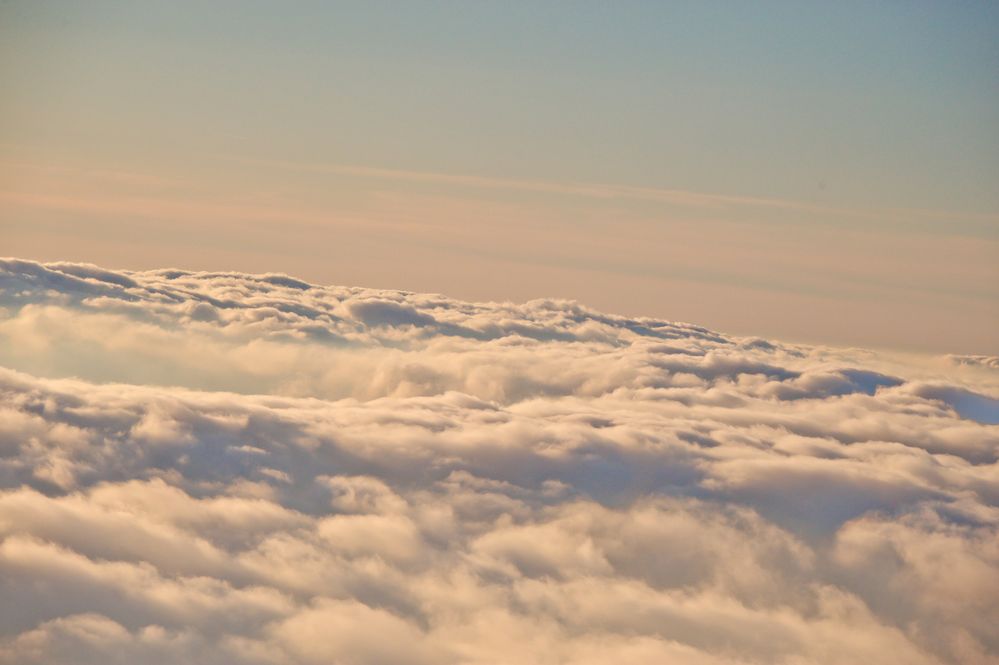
(856, 117)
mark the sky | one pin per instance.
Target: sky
(473, 333)
(818, 172)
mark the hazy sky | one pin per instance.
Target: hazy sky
(812, 171)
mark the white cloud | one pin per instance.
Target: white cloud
(251, 469)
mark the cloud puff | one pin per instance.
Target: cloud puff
(252, 469)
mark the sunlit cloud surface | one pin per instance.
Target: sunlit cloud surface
(232, 468)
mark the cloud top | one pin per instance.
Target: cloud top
(228, 468)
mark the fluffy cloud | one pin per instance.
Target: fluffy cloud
(252, 469)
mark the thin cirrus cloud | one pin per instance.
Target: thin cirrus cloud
(256, 469)
(676, 197)
(733, 263)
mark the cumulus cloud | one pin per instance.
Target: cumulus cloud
(228, 468)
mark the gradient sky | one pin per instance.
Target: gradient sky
(811, 171)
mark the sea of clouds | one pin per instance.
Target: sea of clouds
(226, 468)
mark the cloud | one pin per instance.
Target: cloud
(591, 190)
(991, 362)
(966, 403)
(227, 468)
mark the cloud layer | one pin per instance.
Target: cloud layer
(252, 469)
